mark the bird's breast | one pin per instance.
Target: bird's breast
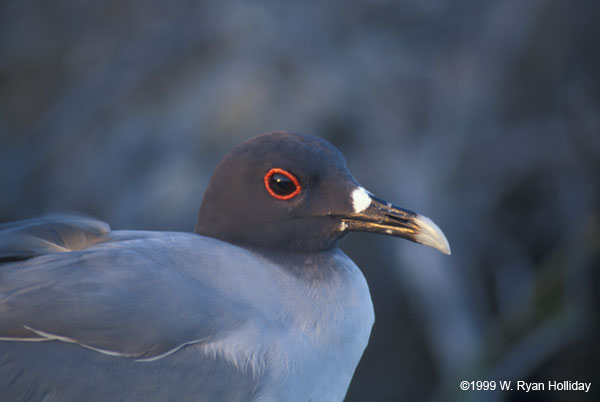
(325, 326)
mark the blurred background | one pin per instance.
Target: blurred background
(484, 116)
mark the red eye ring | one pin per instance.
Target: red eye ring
(288, 175)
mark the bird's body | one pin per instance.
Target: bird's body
(258, 304)
(156, 307)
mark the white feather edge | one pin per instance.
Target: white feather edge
(44, 336)
(233, 355)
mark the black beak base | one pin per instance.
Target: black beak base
(386, 218)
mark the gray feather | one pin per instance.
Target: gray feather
(130, 292)
(49, 234)
(91, 314)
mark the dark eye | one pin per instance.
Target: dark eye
(281, 184)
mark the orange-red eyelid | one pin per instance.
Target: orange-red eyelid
(286, 174)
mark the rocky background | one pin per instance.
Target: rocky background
(484, 116)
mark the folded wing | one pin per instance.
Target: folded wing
(126, 293)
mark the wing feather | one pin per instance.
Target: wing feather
(137, 294)
(49, 234)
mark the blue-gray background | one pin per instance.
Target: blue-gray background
(484, 116)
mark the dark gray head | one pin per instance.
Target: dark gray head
(293, 192)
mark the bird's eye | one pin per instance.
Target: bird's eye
(281, 184)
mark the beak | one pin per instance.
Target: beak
(373, 214)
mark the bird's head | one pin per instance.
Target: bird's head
(293, 192)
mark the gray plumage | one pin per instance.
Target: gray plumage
(258, 304)
(172, 316)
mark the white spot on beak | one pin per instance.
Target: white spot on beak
(360, 199)
(343, 226)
